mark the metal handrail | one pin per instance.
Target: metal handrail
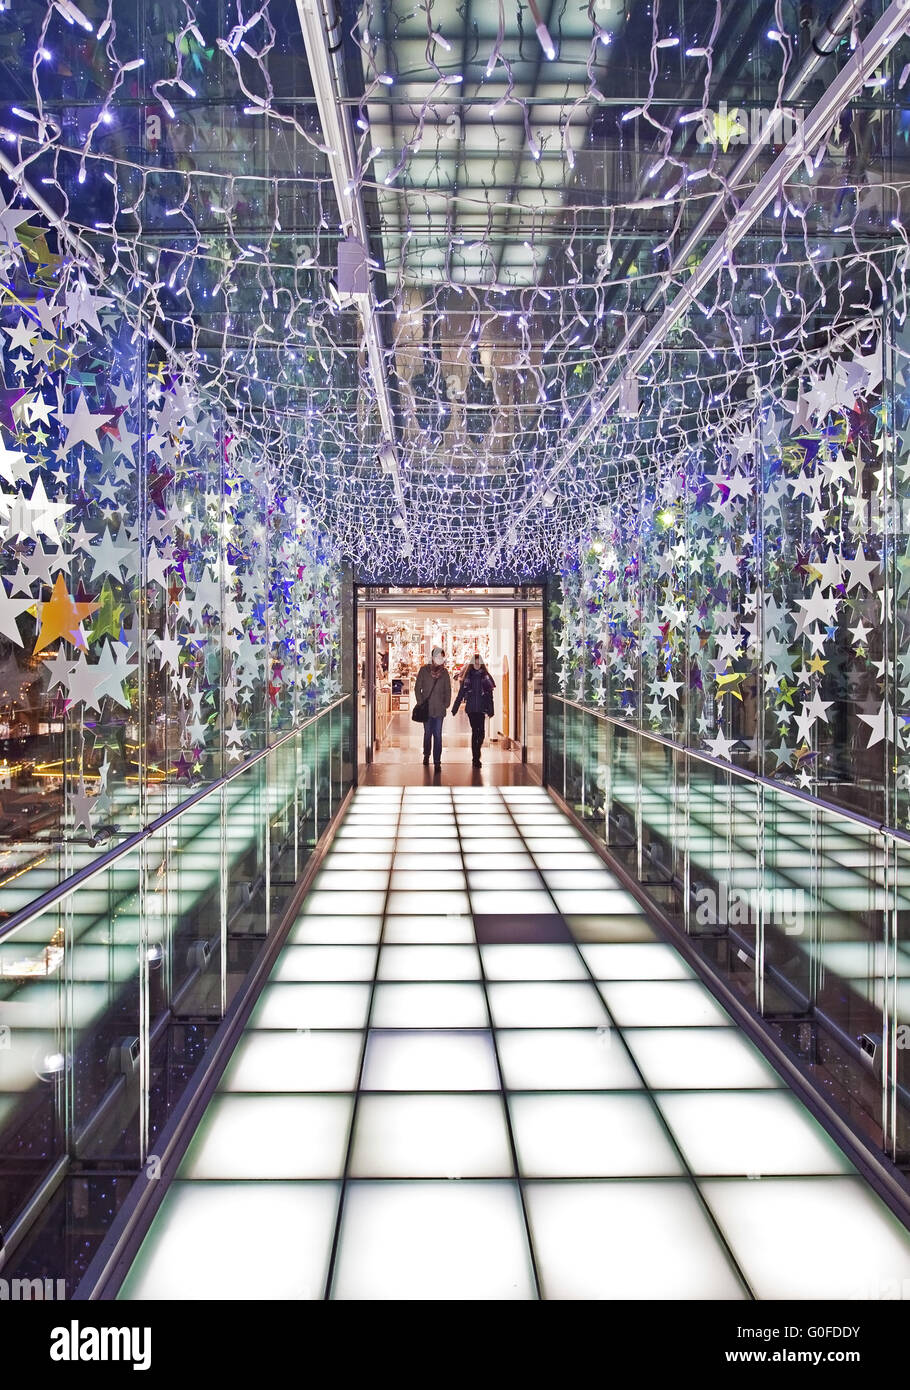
(742, 772)
(104, 861)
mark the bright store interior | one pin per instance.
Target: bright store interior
(509, 641)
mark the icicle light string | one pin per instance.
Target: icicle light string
(486, 360)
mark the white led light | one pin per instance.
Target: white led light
(546, 43)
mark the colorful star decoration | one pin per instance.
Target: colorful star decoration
(60, 616)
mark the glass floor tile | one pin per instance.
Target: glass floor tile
(357, 859)
(582, 858)
(631, 961)
(590, 1135)
(427, 903)
(431, 1136)
(419, 962)
(627, 1240)
(351, 931)
(535, 1005)
(663, 1002)
(285, 1061)
(858, 1249)
(567, 1059)
(429, 930)
(351, 879)
(512, 902)
(420, 844)
(504, 880)
(312, 1006)
(344, 904)
(483, 817)
(548, 961)
(270, 1136)
(237, 1240)
(698, 1059)
(748, 1133)
(580, 878)
(391, 1061)
(325, 963)
(429, 879)
(433, 1240)
(488, 845)
(421, 828)
(399, 1060)
(546, 844)
(429, 1006)
(503, 862)
(621, 927)
(404, 859)
(600, 900)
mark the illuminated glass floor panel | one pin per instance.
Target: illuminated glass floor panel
(425, 1105)
(104, 933)
(833, 871)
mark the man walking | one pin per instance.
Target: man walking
(434, 686)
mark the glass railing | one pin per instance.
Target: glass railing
(800, 908)
(114, 983)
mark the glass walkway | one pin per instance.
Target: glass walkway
(476, 1072)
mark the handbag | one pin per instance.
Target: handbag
(421, 712)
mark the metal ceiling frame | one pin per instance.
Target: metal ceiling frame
(327, 75)
(395, 601)
(868, 55)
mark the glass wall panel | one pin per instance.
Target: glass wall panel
(111, 996)
(799, 908)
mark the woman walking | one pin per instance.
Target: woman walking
(476, 691)
(434, 686)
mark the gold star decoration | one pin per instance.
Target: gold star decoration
(61, 616)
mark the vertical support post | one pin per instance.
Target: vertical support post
(141, 388)
(524, 670)
(225, 664)
(353, 687)
(370, 711)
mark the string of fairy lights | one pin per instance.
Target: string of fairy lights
(195, 172)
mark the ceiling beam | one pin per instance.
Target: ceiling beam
(442, 599)
(869, 54)
(322, 39)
